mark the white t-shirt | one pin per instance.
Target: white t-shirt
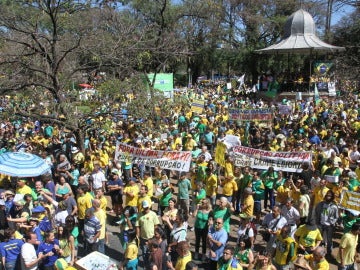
(241, 232)
(98, 178)
(28, 255)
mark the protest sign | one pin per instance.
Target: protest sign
(250, 114)
(220, 152)
(198, 105)
(350, 200)
(285, 109)
(171, 160)
(261, 159)
(331, 178)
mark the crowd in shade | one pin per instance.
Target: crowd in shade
(49, 220)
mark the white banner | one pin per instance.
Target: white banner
(331, 89)
(261, 159)
(171, 160)
(230, 141)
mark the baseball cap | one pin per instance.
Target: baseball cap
(115, 171)
(145, 204)
(39, 209)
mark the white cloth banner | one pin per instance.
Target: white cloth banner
(171, 160)
(331, 89)
(261, 159)
(230, 141)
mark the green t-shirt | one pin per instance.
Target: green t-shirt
(201, 220)
(166, 196)
(225, 214)
(259, 189)
(201, 195)
(269, 179)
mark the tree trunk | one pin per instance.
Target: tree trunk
(80, 139)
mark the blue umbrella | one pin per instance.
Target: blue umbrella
(22, 164)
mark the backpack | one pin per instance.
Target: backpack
(253, 227)
(246, 234)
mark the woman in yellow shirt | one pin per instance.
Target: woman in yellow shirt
(132, 251)
(229, 167)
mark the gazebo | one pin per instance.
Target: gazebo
(300, 37)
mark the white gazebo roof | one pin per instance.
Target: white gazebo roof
(300, 37)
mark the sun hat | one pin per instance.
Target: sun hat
(300, 262)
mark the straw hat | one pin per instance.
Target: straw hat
(301, 263)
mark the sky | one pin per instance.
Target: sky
(343, 11)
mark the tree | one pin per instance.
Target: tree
(347, 34)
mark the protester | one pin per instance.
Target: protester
(347, 248)
(228, 261)
(217, 238)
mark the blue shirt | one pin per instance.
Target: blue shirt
(117, 182)
(8, 206)
(91, 227)
(37, 231)
(221, 236)
(45, 248)
(11, 249)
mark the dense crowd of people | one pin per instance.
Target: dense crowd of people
(46, 220)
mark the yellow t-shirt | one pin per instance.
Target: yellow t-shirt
(211, 185)
(131, 251)
(135, 191)
(150, 185)
(101, 216)
(229, 188)
(84, 202)
(103, 203)
(348, 242)
(283, 248)
(308, 238)
(319, 194)
(322, 265)
(228, 168)
(283, 194)
(24, 190)
(182, 261)
(249, 203)
(140, 200)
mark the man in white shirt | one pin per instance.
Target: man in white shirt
(98, 178)
(292, 216)
(29, 260)
(273, 223)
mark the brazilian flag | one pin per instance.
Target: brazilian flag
(322, 68)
